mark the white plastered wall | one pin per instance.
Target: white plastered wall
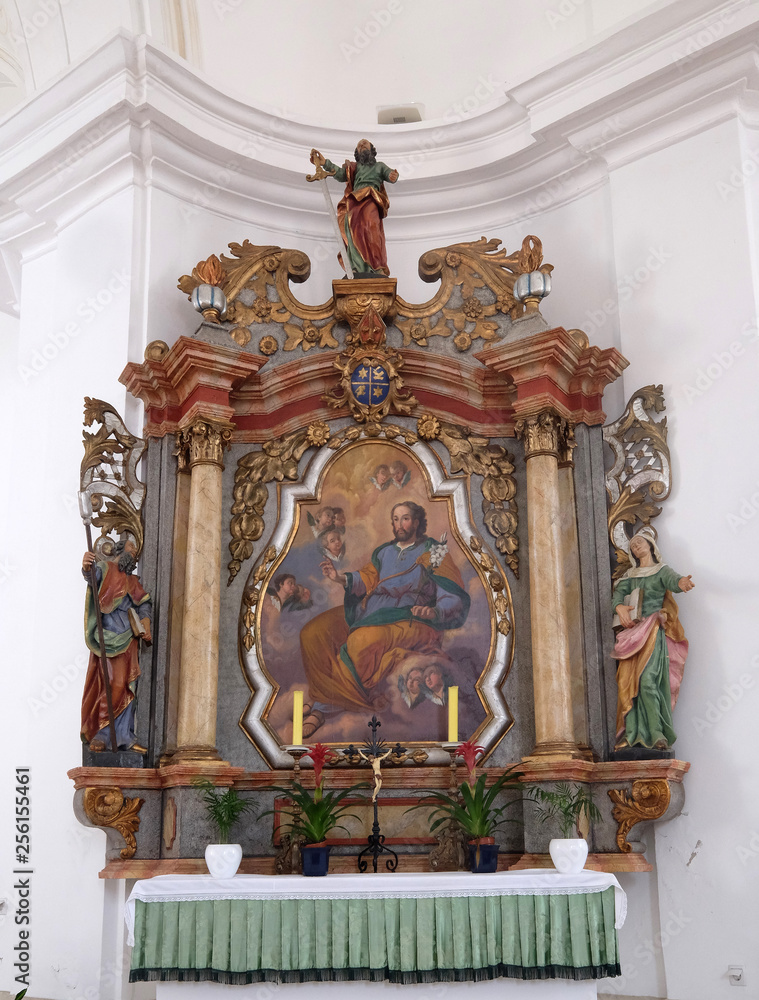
(693, 328)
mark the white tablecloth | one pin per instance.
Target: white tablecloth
(394, 885)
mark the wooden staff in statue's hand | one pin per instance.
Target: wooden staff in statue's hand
(320, 174)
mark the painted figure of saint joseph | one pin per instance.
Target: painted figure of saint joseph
(401, 602)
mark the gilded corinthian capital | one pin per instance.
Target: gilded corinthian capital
(546, 433)
(203, 442)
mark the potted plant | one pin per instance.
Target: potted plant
(224, 809)
(474, 809)
(315, 814)
(567, 804)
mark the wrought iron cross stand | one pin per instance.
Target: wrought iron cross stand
(375, 752)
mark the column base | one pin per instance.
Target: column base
(196, 753)
(557, 750)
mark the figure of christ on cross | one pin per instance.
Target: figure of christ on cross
(376, 766)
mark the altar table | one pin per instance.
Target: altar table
(386, 928)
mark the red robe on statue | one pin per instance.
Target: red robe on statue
(117, 593)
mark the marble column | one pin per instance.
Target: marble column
(573, 592)
(204, 441)
(176, 614)
(547, 438)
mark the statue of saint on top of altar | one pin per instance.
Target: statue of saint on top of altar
(362, 208)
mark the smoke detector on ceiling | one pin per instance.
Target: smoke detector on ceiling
(399, 114)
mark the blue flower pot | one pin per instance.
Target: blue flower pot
(488, 858)
(315, 859)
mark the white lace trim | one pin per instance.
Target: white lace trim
(438, 894)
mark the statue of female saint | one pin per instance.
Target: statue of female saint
(651, 647)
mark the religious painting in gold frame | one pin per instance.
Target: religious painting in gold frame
(370, 610)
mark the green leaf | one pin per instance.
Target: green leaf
(474, 810)
(224, 808)
(317, 817)
(565, 804)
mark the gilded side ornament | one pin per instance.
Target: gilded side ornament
(483, 276)
(501, 595)
(268, 345)
(108, 807)
(266, 272)
(307, 335)
(477, 456)
(241, 335)
(108, 474)
(641, 476)
(277, 461)
(252, 596)
(476, 283)
(649, 801)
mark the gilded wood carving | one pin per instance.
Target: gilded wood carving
(649, 801)
(476, 283)
(108, 807)
(641, 476)
(477, 456)
(109, 475)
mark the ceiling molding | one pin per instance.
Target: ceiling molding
(133, 114)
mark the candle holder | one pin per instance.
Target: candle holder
(451, 748)
(450, 855)
(288, 860)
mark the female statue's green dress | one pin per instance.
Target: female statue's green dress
(651, 657)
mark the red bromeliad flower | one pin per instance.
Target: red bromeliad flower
(470, 752)
(320, 755)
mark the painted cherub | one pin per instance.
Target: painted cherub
(381, 479)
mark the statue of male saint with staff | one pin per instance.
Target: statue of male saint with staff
(361, 209)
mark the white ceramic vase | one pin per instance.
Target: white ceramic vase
(223, 860)
(568, 855)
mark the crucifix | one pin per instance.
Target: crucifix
(374, 753)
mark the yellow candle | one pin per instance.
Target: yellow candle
(453, 715)
(297, 718)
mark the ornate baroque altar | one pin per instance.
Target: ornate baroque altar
(279, 438)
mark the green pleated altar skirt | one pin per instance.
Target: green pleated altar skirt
(443, 939)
